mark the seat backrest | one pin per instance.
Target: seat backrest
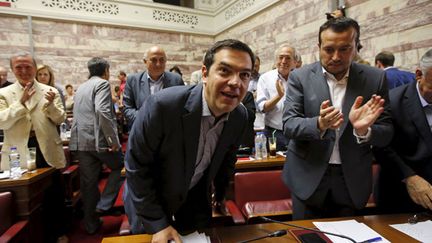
(259, 186)
(6, 211)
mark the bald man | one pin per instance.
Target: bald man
(140, 86)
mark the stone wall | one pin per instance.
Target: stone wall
(67, 46)
(403, 27)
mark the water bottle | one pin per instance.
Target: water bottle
(260, 146)
(14, 163)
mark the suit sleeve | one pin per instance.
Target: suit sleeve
(55, 111)
(103, 110)
(295, 124)
(389, 156)
(142, 168)
(130, 108)
(10, 113)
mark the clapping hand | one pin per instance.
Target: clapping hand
(363, 116)
(330, 117)
(29, 91)
(280, 88)
(49, 96)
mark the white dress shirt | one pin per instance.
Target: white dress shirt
(266, 89)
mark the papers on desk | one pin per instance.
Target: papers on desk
(351, 228)
(281, 153)
(194, 237)
(421, 231)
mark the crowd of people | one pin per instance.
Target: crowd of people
(332, 117)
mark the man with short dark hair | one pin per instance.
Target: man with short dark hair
(335, 110)
(94, 137)
(395, 77)
(184, 140)
(405, 181)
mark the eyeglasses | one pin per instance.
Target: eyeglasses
(418, 217)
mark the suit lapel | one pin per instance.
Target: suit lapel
(319, 83)
(356, 81)
(145, 87)
(417, 114)
(224, 139)
(165, 81)
(191, 130)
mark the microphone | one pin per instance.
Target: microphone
(306, 228)
(278, 233)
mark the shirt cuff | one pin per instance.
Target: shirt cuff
(365, 138)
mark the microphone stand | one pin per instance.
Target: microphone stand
(306, 228)
(273, 234)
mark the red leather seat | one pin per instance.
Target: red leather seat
(259, 193)
(10, 229)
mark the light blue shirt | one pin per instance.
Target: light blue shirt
(155, 85)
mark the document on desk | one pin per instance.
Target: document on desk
(421, 231)
(351, 228)
(194, 237)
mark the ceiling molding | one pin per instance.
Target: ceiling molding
(140, 14)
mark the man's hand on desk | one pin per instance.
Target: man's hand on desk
(165, 235)
(420, 191)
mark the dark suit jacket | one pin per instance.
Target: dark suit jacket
(396, 77)
(161, 154)
(409, 153)
(137, 90)
(308, 154)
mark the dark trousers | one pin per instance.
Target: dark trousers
(330, 199)
(53, 206)
(281, 140)
(90, 167)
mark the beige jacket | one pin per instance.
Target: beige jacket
(17, 120)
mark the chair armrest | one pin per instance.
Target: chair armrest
(70, 170)
(16, 233)
(267, 208)
(235, 212)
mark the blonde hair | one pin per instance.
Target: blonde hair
(50, 71)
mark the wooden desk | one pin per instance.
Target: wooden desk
(380, 223)
(28, 192)
(268, 163)
(251, 165)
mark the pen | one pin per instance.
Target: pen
(376, 239)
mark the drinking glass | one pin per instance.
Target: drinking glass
(272, 146)
(31, 159)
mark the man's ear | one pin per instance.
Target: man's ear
(204, 73)
(418, 74)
